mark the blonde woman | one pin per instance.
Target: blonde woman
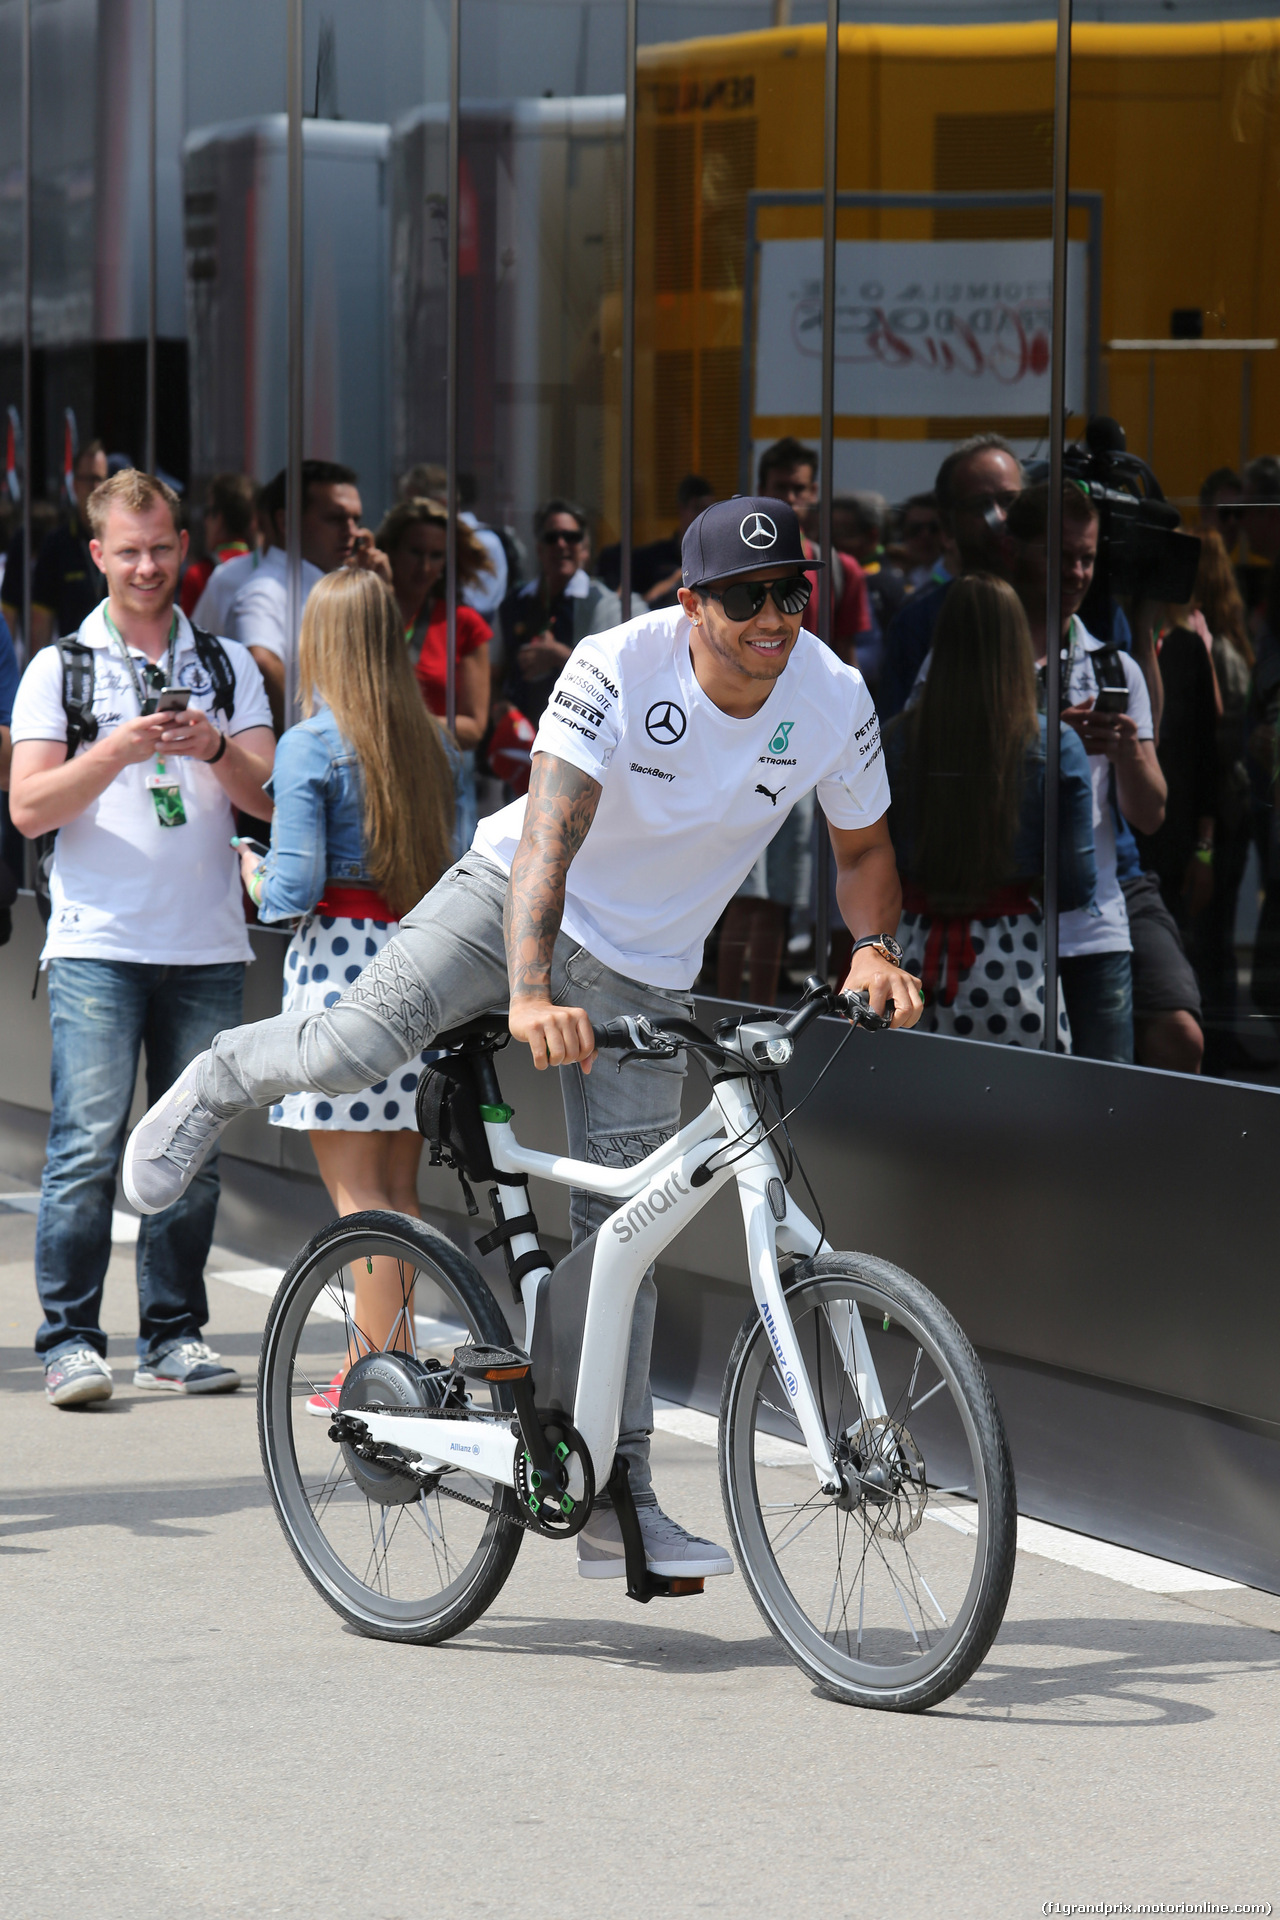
(363, 816)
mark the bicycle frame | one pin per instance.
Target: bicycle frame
(659, 1198)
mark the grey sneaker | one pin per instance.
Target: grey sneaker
(668, 1549)
(169, 1145)
(190, 1367)
(76, 1376)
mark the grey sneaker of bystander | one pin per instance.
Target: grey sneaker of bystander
(77, 1375)
(189, 1366)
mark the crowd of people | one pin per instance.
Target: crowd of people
(178, 699)
(1175, 707)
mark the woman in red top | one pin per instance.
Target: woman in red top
(414, 538)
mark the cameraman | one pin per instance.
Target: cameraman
(976, 485)
(1096, 944)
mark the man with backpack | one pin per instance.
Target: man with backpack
(135, 740)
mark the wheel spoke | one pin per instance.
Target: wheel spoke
(874, 1603)
(381, 1547)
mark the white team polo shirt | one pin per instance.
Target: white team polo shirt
(691, 796)
(123, 887)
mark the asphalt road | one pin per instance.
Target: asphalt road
(190, 1731)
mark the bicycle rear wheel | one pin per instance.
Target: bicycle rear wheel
(398, 1561)
(891, 1594)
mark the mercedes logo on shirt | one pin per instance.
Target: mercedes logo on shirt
(665, 723)
(758, 530)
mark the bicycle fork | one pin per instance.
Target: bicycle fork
(771, 1220)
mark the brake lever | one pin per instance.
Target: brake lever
(646, 1053)
(856, 1005)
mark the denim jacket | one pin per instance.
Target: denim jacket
(1077, 875)
(317, 832)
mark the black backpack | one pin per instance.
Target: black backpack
(82, 727)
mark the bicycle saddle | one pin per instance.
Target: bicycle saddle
(486, 1031)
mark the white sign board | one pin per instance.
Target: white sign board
(923, 327)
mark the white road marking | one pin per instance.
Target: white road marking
(431, 1334)
(124, 1226)
(1141, 1570)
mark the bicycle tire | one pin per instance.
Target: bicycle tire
(960, 1434)
(320, 1529)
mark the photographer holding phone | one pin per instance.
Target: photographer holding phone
(1105, 699)
(134, 741)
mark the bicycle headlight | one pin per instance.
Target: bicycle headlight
(779, 1050)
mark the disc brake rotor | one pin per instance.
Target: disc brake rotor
(884, 1473)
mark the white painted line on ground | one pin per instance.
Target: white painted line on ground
(690, 1425)
(1141, 1570)
(433, 1335)
(124, 1226)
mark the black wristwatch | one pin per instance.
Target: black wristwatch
(885, 945)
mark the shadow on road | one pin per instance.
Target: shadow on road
(1125, 1673)
(1131, 1673)
(148, 1512)
(644, 1645)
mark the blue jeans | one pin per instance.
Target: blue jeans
(103, 1012)
(1098, 991)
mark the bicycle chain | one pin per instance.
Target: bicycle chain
(455, 1414)
(486, 1506)
(468, 1500)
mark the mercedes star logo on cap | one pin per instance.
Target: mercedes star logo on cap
(665, 723)
(758, 530)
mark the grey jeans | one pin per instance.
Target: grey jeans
(447, 965)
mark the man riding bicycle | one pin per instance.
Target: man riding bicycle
(668, 755)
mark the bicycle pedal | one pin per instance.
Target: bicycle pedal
(492, 1363)
(663, 1586)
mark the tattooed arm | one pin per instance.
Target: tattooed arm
(561, 806)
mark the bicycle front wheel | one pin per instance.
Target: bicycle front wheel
(398, 1560)
(890, 1594)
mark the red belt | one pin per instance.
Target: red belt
(949, 935)
(354, 903)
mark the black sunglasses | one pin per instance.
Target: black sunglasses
(743, 599)
(558, 537)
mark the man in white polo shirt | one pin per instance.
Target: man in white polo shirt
(147, 942)
(666, 751)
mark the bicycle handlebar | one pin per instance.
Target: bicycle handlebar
(633, 1033)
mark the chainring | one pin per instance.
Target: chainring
(574, 1455)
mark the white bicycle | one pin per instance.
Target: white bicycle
(866, 1479)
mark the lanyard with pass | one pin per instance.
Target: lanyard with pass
(163, 786)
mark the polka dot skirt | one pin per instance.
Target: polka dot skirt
(999, 998)
(324, 956)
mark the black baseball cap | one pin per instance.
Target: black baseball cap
(737, 536)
